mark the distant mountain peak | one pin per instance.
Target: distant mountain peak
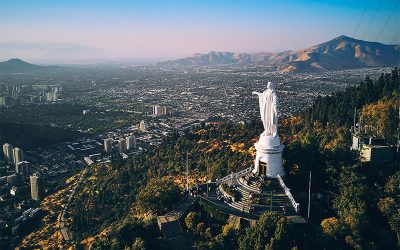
(15, 60)
(344, 37)
(17, 65)
(342, 52)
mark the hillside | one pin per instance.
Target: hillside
(339, 53)
(19, 66)
(339, 108)
(108, 210)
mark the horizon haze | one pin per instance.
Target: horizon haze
(140, 31)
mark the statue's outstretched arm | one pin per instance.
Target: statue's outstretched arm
(256, 93)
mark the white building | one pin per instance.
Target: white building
(8, 151)
(36, 187)
(159, 110)
(88, 160)
(121, 145)
(49, 96)
(130, 142)
(142, 126)
(52, 96)
(14, 191)
(108, 145)
(18, 155)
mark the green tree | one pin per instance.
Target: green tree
(390, 205)
(257, 237)
(330, 226)
(138, 244)
(192, 219)
(350, 204)
(283, 239)
(158, 194)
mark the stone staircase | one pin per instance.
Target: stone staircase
(172, 234)
(243, 204)
(279, 198)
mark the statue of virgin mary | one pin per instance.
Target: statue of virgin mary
(268, 102)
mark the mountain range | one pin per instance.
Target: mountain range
(51, 52)
(342, 52)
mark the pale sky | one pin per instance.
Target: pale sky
(171, 29)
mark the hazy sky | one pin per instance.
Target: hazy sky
(155, 29)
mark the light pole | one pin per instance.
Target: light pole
(309, 197)
(398, 140)
(207, 179)
(187, 171)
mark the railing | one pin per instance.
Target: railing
(233, 175)
(226, 194)
(243, 172)
(295, 205)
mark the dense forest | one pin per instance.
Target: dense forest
(30, 136)
(338, 108)
(116, 204)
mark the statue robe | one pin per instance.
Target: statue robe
(268, 111)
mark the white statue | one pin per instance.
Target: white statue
(268, 109)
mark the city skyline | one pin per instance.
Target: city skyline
(156, 30)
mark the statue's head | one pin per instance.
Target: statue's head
(271, 85)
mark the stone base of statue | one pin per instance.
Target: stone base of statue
(268, 160)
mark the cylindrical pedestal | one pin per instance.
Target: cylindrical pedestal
(268, 160)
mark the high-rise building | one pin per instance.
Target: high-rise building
(130, 142)
(57, 89)
(14, 180)
(108, 145)
(142, 126)
(165, 110)
(159, 110)
(6, 101)
(49, 96)
(52, 96)
(156, 109)
(18, 155)
(121, 145)
(23, 168)
(14, 92)
(36, 187)
(8, 151)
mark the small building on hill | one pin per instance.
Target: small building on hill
(371, 149)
